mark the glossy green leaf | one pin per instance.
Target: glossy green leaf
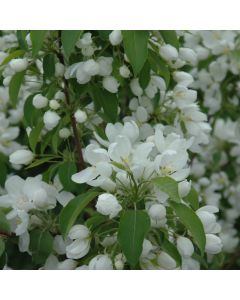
(192, 198)
(136, 47)
(21, 36)
(144, 76)
(31, 114)
(69, 39)
(37, 38)
(65, 172)
(191, 221)
(12, 55)
(49, 65)
(170, 37)
(34, 135)
(73, 209)
(168, 186)
(4, 225)
(134, 225)
(14, 87)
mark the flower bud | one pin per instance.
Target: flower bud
(18, 64)
(135, 87)
(141, 114)
(168, 52)
(108, 205)
(101, 262)
(188, 55)
(124, 71)
(39, 101)
(54, 104)
(184, 188)
(157, 211)
(110, 84)
(59, 69)
(21, 157)
(91, 67)
(185, 246)
(80, 116)
(105, 65)
(115, 37)
(78, 248)
(213, 244)
(50, 119)
(183, 78)
(166, 261)
(64, 133)
(79, 232)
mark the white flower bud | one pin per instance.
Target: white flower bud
(135, 87)
(64, 133)
(188, 55)
(100, 262)
(50, 119)
(21, 157)
(105, 65)
(208, 220)
(185, 246)
(81, 75)
(108, 205)
(168, 52)
(59, 95)
(79, 232)
(141, 114)
(80, 116)
(183, 78)
(88, 51)
(54, 104)
(59, 69)
(110, 84)
(157, 211)
(124, 71)
(184, 188)
(115, 37)
(39, 101)
(18, 64)
(166, 261)
(78, 248)
(91, 67)
(213, 244)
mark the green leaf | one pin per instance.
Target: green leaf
(4, 225)
(108, 101)
(144, 76)
(169, 186)
(170, 37)
(73, 209)
(31, 114)
(49, 65)
(34, 135)
(191, 221)
(21, 36)
(65, 172)
(14, 87)
(159, 66)
(14, 54)
(136, 47)
(39, 162)
(134, 224)
(171, 249)
(41, 245)
(69, 39)
(192, 198)
(2, 246)
(37, 38)
(3, 173)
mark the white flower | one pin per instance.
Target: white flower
(208, 219)
(213, 244)
(108, 205)
(80, 116)
(91, 67)
(115, 37)
(39, 101)
(79, 232)
(166, 261)
(21, 157)
(188, 55)
(168, 52)
(124, 71)
(81, 75)
(183, 78)
(185, 246)
(157, 212)
(101, 262)
(190, 264)
(59, 69)
(18, 64)
(50, 119)
(105, 65)
(110, 84)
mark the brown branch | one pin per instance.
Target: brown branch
(79, 155)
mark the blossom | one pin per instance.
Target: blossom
(19, 64)
(108, 205)
(185, 246)
(115, 37)
(51, 119)
(39, 101)
(21, 157)
(110, 84)
(101, 262)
